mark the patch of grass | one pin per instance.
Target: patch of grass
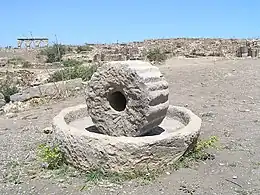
(100, 176)
(51, 157)
(244, 192)
(198, 153)
(71, 63)
(13, 173)
(84, 72)
(156, 55)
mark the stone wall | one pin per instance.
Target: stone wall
(172, 47)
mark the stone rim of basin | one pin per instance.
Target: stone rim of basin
(193, 125)
(85, 149)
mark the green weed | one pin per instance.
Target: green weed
(198, 153)
(84, 72)
(51, 157)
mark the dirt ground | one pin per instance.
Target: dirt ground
(225, 92)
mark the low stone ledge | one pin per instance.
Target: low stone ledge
(49, 89)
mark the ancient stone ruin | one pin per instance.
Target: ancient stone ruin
(32, 42)
(127, 122)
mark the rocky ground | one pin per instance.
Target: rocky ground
(225, 93)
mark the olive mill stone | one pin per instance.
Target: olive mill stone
(127, 98)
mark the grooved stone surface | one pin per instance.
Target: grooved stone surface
(138, 83)
(87, 149)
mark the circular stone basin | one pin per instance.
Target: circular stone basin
(86, 148)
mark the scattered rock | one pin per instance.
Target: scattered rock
(227, 133)
(16, 107)
(61, 180)
(245, 110)
(11, 115)
(30, 116)
(48, 130)
(45, 166)
(208, 114)
(40, 79)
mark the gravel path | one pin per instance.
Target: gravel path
(225, 92)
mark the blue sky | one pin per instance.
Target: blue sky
(79, 21)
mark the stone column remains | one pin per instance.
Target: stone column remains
(27, 43)
(37, 43)
(19, 43)
(45, 42)
(127, 98)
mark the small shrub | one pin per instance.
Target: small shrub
(54, 53)
(26, 64)
(8, 89)
(15, 60)
(84, 48)
(71, 63)
(156, 55)
(51, 156)
(84, 72)
(69, 49)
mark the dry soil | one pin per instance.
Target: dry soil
(225, 93)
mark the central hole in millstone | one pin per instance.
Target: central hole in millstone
(117, 101)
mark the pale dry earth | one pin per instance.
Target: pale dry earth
(226, 92)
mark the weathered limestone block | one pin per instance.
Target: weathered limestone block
(127, 98)
(48, 89)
